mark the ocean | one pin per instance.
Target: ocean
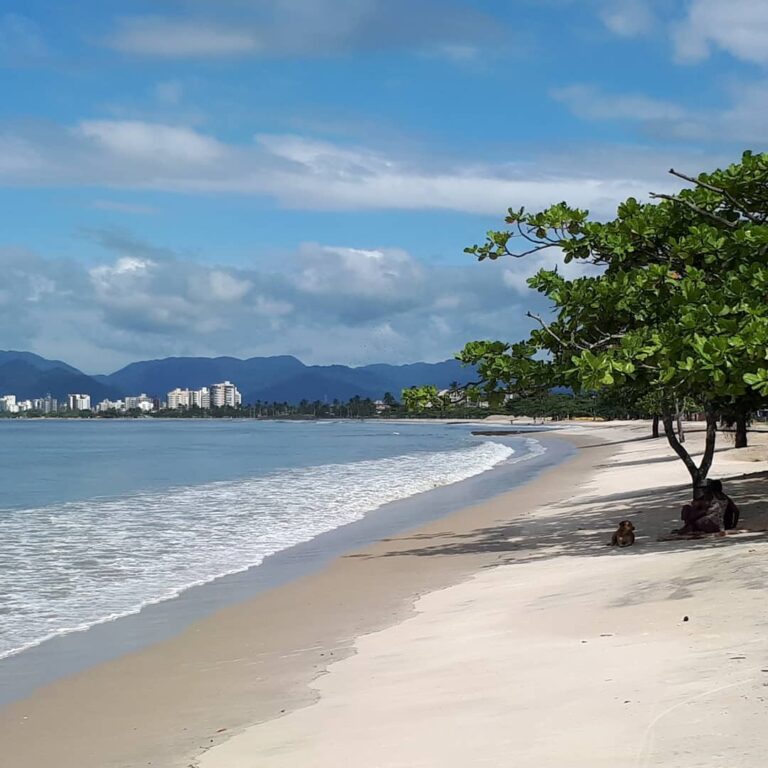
(100, 519)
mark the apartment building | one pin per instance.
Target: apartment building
(79, 402)
(215, 396)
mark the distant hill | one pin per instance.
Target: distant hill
(281, 378)
(158, 377)
(398, 377)
(26, 381)
(40, 363)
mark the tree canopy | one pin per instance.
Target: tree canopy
(677, 308)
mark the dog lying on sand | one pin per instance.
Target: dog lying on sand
(624, 536)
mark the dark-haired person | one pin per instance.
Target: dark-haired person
(713, 512)
(731, 514)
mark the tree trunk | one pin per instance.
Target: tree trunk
(698, 473)
(741, 431)
(655, 426)
(679, 420)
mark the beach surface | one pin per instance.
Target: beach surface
(506, 633)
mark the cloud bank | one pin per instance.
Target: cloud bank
(739, 27)
(331, 304)
(306, 28)
(305, 173)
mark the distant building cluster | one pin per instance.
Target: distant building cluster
(220, 395)
(47, 404)
(140, 402)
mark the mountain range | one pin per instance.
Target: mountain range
(282, 378)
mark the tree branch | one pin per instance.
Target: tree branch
(527, 253)
(740, 206)
(527, 236)
(549, 330)
(669, 430)
(696, 209)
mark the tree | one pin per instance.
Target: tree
(389, 400)
(677, 311)
(419, 398)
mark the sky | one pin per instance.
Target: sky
(261, 177)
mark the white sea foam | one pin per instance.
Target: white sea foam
(66, 567)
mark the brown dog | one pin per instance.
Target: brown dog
(624, 535)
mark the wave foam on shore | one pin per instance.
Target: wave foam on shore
(110, 557)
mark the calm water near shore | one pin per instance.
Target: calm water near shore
(105, 519)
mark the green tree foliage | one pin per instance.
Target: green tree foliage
(677, 308)
(417, 399)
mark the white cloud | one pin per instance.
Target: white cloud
(302, 172)
(17, 155)
(739, 27)
(628, 18)
(281, 28)
(142, 301)
(743, 120)
(152, 141)
(358, 284)
(516, 274)
(324, 176)
(589, 102)
(170, 38)
(363, 273)
(113, 278)
(226, 287)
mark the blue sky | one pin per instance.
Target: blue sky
(190, 177)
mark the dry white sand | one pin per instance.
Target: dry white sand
(567, 654)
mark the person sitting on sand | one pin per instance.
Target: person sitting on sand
(713, 512)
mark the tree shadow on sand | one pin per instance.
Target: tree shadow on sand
(583, 527)
(655, 460)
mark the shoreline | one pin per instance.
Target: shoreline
(157, 620)
(375, 607)
(647, 656)
(474, 634)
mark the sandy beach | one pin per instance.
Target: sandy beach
(505, 633)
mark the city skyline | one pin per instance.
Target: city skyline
(220, 395)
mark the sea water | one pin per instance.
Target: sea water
(101, 518)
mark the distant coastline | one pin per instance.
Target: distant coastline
(282, 379)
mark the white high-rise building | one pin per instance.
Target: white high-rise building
(225, 394)
(215, 396)
(178, 398)
(189, 398)
(8, 404)
(200, 398)
(79, 402)
(142, 402)
(46, 404)
(110, 405)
